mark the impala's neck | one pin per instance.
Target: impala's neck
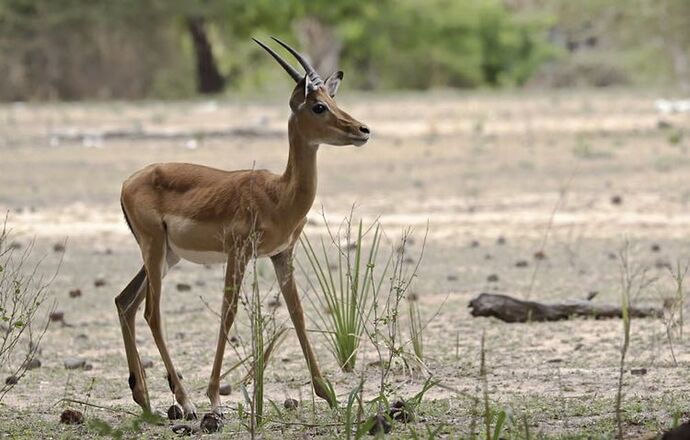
(300, 173)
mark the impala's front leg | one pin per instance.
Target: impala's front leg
(234, 273)
(284, 271)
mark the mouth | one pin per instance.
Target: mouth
(359, 141)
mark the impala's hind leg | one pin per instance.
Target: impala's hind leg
(127, 304)
(158, 258)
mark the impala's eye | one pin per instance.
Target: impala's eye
(319, 108)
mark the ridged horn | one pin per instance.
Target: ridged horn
(284, 64)
(314, 77)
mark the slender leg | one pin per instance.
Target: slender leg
(157, 259)
(234, 272)
(127, 304)
(284, 272)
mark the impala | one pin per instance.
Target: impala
(205, 215)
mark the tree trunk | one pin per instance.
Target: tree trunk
(320, 43)
(208, 78)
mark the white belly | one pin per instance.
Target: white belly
(200, 257)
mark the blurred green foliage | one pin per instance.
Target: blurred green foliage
(76, 49)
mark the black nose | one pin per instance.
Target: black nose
(364, 129)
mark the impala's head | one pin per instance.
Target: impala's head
(313, 105)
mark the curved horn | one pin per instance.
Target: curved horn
(313, 75)
(288, 68)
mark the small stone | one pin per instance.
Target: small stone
(234, 341)
(501, 240)
(662, 125)
(274, 303)
(638, 371)
(180, 335)
(182, 429)
(72, 363)
(225, 390)
(33, 364)
(555, 361)
(57, 316)
(146, 362)
(474, 244)
(211, 422)
(412, 297)
(591, 295)
(521, 263)
(655, 247)
(488, 256)
(71, 417)
(662, 264)
(612, 256)
(290, 404)
(59, 247)
(451, 277)
(99, 282)
(183, 287)
(175, 412)
(616, 200)
(401, 412)
(11, 380)
(493, 278)
(75, 293)
(539, 255)
(380, 425)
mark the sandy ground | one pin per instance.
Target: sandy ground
(497, 178)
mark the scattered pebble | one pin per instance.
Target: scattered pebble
(99, 282)
(290, 404)
(274, 303)
(401, 412)
(183, 287)
(474, 243)
(501, 240)
(638, 371)
(57, 317)
(75, 293)
(522, 263)
(539, 255)
(412, 296)
(616, 200)
(225, 389)
(662, 264)
(211, 422)
(175, 412)
(655, 247)
(493, 278)
(11, 380)
(146, 362)
(181, 429)
(488, 257)
(612, 256)
(72, 363)
(59, 247)
(661, 124)
(452, 277)
(71, 417)
(380, 425)
(33, 364)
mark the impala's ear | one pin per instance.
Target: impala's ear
(299, 94)
(333, 82)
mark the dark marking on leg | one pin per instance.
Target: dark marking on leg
(171, 384)
(132, 381)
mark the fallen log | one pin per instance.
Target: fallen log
(510, 309)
